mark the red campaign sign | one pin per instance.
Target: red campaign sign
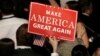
(48, 21)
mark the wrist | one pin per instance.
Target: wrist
(54, 49)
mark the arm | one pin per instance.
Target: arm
(53, 3)
(54, 44)
(81, 32)
(85, 40)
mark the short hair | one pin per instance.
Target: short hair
(79, 50)
(22, 35)
(6, 6)
(73, 5)
(6, 47)
(86, 7)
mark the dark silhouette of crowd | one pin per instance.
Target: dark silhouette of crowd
(15, 40)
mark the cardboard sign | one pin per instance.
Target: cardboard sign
(52, 21)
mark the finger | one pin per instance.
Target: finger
(50, 38)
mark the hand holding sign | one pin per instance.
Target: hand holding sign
(52, 21)
(54, 42)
